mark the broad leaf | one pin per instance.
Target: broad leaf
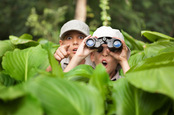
(100, 80)
(154, 48)
(55, 66)
(62, 97)
(80, 73)
(154, 77)
(22, 64)
(136, 58)
(129, 100)
(23, 41)
(155, 36)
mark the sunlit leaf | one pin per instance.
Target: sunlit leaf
(23, 41)
(154, 77)
(155, 36)
(22, 64)
(154, 48)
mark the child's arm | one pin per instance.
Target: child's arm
(81, 54)
(121, 57)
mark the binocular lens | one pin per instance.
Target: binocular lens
(90, 43)
(117, 44)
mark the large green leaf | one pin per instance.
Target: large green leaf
(61, 97)
(22, 64)
(23, 41)
(155, 36)
(154, 77)
(55, 66)
(100, 80)
(129, 100)
(136, 58)
(80, 73)
(154, 48)
(159, 59)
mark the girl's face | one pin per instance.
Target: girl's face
(73, 38)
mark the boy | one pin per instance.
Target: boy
(72, 34)
(112, 61)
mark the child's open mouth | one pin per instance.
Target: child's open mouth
(104, 63)
(74, 50)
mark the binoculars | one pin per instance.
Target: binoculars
(96, 43)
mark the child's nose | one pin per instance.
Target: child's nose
(105, 52)
(75, 41)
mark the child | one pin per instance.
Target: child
(112, 61)
(72, 34)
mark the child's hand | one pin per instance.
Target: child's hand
(62, 52)
(120, 55)
(83, 51)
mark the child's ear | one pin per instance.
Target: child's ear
(60, 42)
(92, 56)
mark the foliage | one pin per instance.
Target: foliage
(147, 88)
(104, 5)
(50, 20)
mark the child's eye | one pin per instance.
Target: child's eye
(69, 38)
(81, 37)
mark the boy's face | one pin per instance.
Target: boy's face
(109, 62)
(73, 38)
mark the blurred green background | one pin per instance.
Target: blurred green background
(44, 18)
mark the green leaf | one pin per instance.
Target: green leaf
(155, 36)
(23, 64)
(55, 66)
(154, 48)
(12, 92)
(61, 97)
(25, 105)
(132, 43)
(129, 100)
(136, 58)
(100, 80)
(154, 77)
(80, 73)
(5, 45)
(6, 80)
(23, 41)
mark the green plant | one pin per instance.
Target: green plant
(26, 88)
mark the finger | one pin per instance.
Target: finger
(57, 57)
(58, 53)
(66, 47)
(65, 53)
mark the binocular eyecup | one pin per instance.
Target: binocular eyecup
(112, 43)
